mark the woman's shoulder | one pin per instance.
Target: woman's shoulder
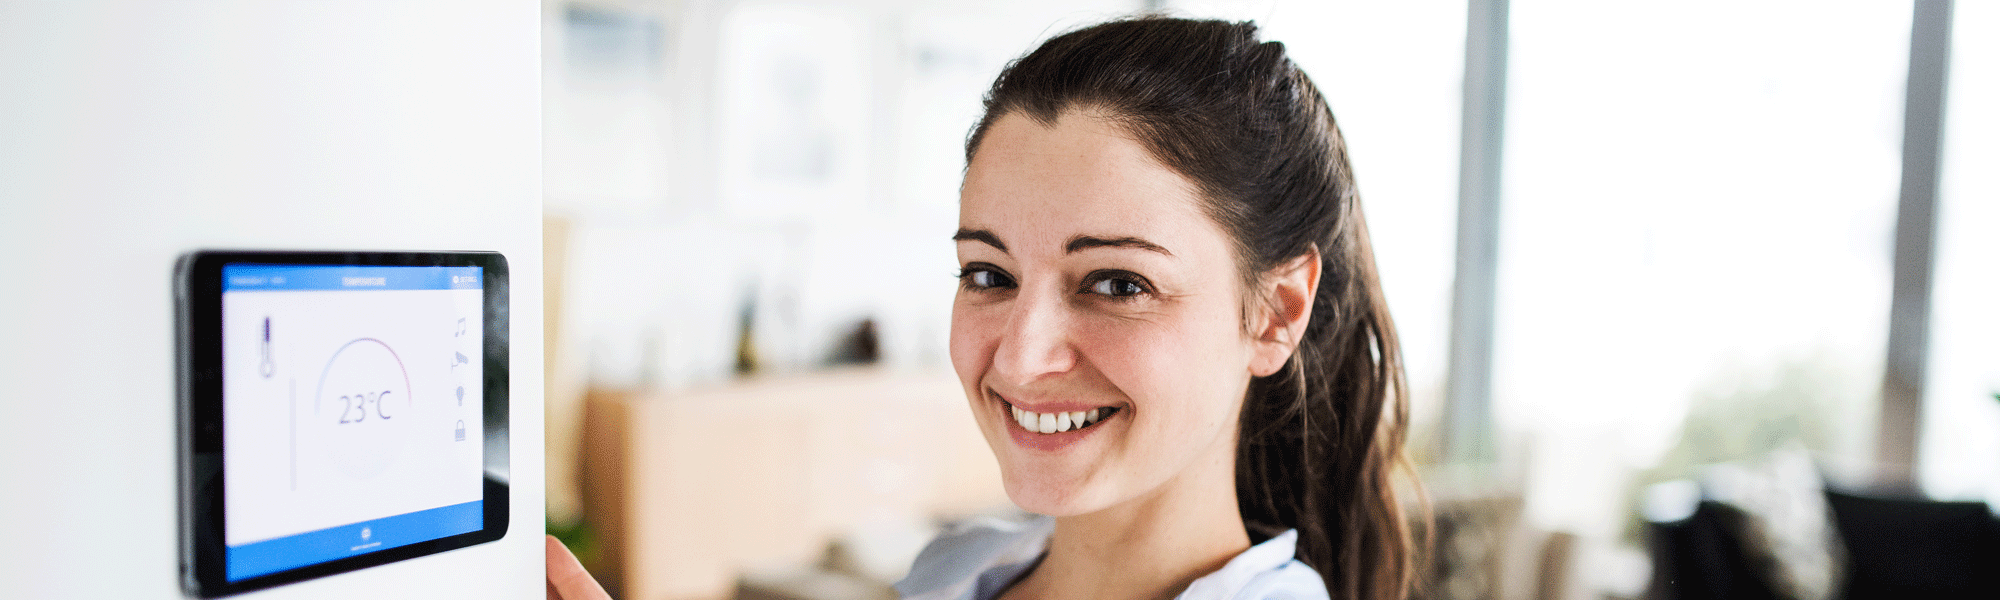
(979, 557)
(955, 562)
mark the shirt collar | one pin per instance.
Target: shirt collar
(1267, 556)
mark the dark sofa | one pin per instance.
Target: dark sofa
(1897, 548)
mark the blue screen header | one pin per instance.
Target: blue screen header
(263, 277)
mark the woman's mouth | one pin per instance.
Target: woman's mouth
(1059, 422)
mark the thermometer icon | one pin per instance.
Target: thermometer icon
(266, 368)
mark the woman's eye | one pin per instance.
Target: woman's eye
(981, 278)
(1117, 288)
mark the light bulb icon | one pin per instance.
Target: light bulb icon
(266, 367)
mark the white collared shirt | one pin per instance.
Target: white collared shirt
(979, 559)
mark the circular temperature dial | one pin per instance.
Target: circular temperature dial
(361, 408)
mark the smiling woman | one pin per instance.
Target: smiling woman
(1170, 332)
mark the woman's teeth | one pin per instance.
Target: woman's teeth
(1058, 422)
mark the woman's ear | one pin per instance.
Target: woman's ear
(1288, 292)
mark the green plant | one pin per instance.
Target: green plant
(578, 535)
(1813, 402)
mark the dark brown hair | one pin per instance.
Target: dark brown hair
(1320, 440)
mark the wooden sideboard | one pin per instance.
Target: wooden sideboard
(688, 488)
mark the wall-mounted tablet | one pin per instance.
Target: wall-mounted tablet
(339, 410)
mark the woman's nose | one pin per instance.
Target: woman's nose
(1036, 340)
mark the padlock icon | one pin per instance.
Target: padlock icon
(459, 434)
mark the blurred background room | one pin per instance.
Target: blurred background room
(1697, 298)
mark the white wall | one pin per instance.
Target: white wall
(658, 112)
(133, 132)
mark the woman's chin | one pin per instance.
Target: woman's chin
(1054, 496)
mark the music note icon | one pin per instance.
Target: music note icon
(461, 327)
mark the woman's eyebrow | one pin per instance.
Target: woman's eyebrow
(1083, 242)
(979, 235)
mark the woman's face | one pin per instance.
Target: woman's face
(1094, 286)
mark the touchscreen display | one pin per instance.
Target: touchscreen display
(351, 410)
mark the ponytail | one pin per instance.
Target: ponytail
(1322, 438)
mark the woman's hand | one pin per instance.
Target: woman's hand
(567, 579)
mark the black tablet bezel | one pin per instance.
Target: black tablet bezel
(198, 300)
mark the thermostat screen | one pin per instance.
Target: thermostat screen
(351, 399)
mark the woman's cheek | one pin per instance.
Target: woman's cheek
(1181, 366)
(1133, 356)
(971, 342)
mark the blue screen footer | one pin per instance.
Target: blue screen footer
(312, 547)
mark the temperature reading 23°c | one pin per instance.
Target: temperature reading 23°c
(354, 408)
(363, 401)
